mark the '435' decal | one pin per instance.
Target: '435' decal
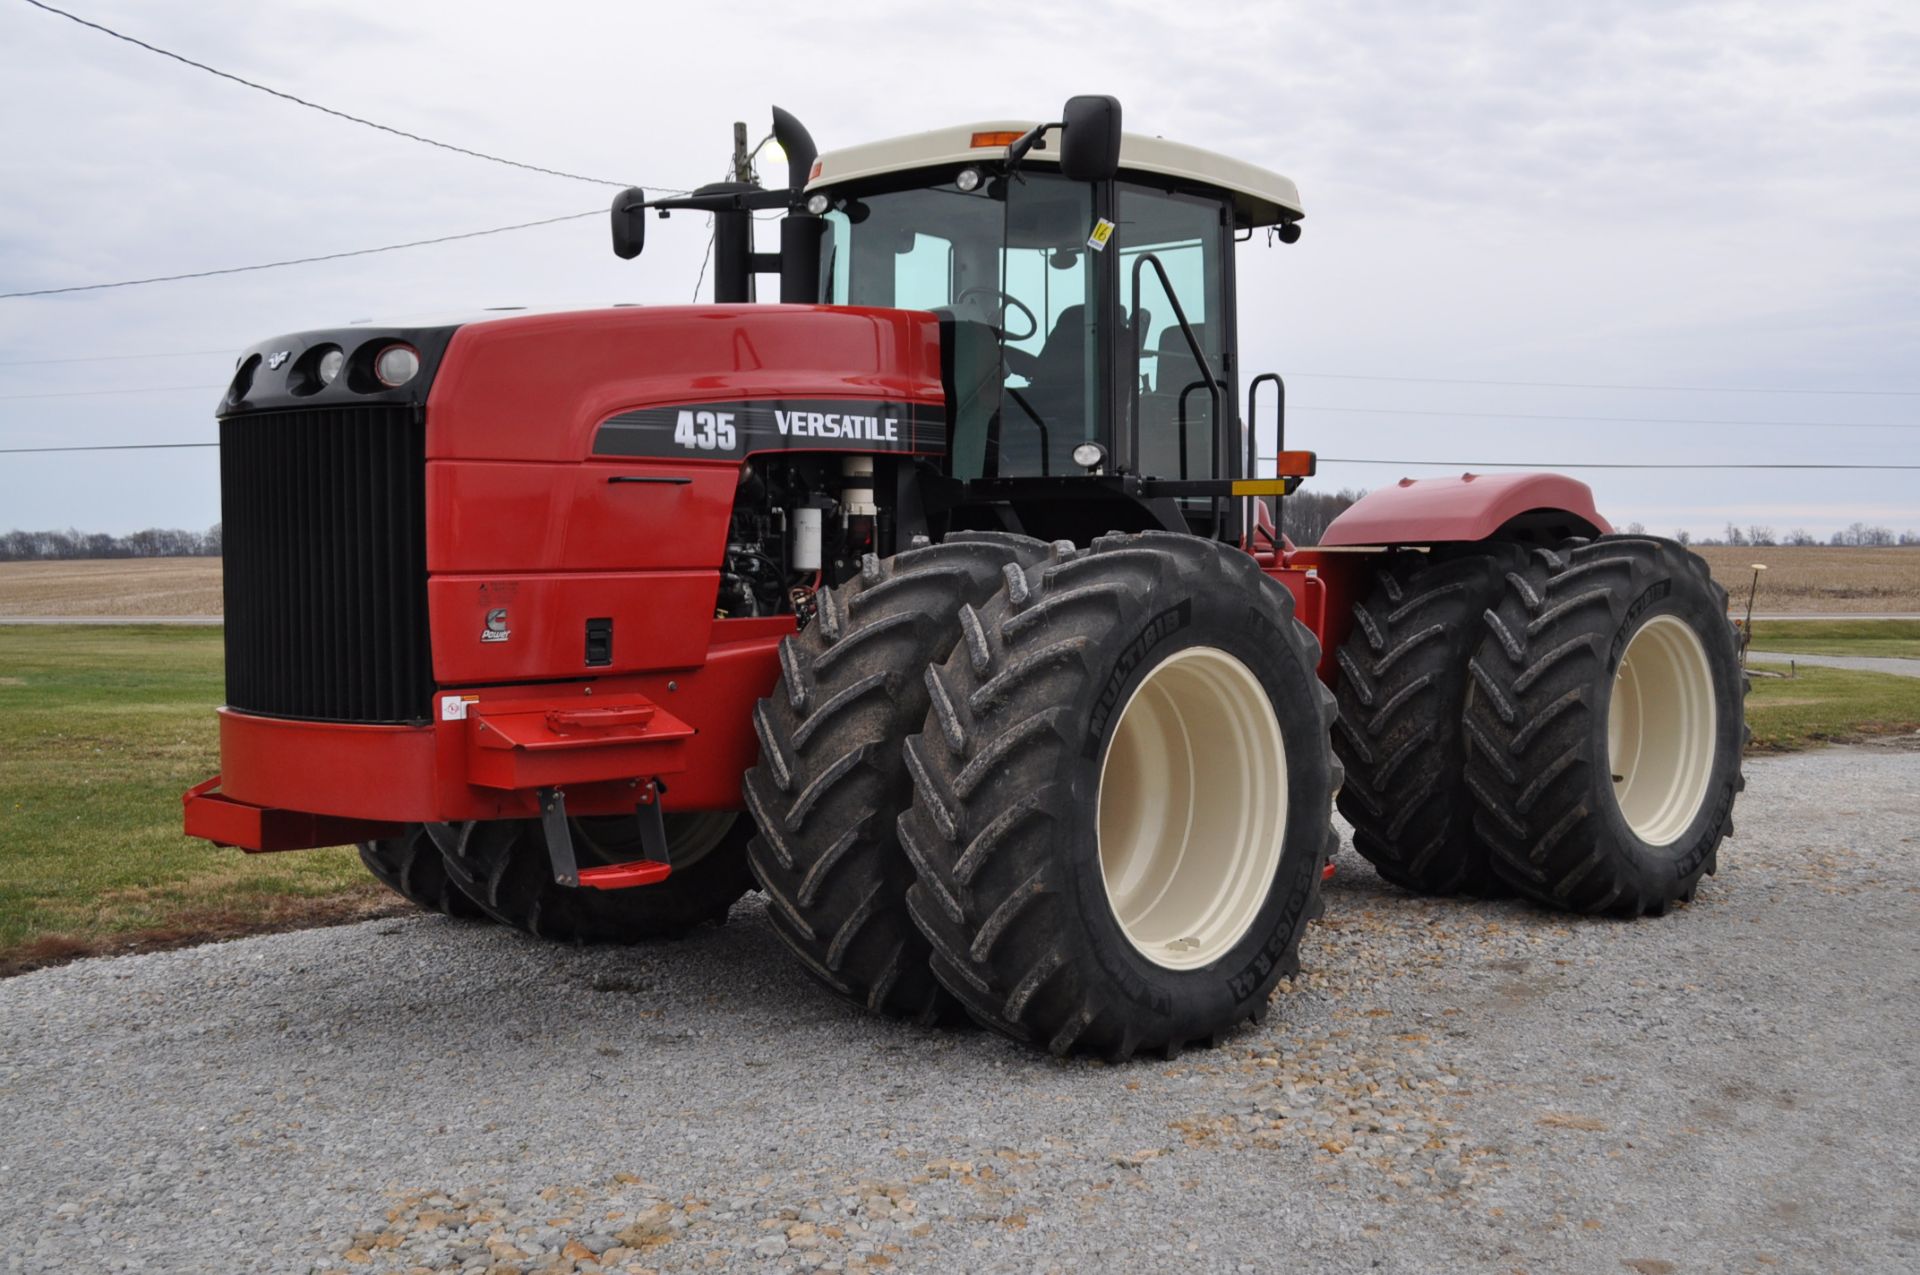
(704, 431)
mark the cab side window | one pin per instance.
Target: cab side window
(1189, 236)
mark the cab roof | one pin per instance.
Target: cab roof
(1260, 197)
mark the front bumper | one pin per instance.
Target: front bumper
(488, 753)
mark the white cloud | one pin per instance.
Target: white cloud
(1713, 194)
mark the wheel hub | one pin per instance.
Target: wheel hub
(1661, 729)
(1192, 810)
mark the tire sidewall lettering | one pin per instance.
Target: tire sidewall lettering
(1221, 621)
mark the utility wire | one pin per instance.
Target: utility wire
(1596, 385)
(1471, 414)
(118, 358)
(1468, 415)
(1541, 464)
(104, 447)
(298, 261)
(1330, 460)
(1302, 376)
(153, 389)
(315, 106)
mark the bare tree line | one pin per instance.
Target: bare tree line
(154, 542)
(1860, 534)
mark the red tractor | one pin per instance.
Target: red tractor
(945, 602)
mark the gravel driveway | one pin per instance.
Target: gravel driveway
(1451, 1086)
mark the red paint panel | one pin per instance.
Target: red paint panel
(534, 387)
(660, 621)
(330, 768)
(492, 516)
(1467, 507)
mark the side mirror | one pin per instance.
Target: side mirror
(1090, 140)
(629, 223)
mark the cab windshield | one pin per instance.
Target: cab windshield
(1009, 263)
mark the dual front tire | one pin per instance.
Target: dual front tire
(1111, 779)
(500, 870)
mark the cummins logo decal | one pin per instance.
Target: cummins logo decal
(731, 430)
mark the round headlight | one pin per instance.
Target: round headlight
(330, 364)
(1089, 455)
(969, 179)
(396, 365)
(817, 204)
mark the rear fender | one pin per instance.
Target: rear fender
(1528, 508)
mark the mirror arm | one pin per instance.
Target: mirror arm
(1026, 142)
(727, 201)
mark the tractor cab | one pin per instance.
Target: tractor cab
(1084, 281)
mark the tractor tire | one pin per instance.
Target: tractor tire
(410, 866)
(1123, 798)
(503, 866)
(830, 780)
(1606, 726)
(1403, 685)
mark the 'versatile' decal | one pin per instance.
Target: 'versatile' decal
(732, 430)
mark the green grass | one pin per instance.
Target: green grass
(1830, 704)
(103, 729)
(1900, 638)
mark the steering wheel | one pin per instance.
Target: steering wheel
(1007, 301)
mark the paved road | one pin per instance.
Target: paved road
(1833, 615)
(1453, 1086)
(1867, 663)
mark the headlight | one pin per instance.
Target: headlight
(817, 204)
(396, 365)
(969, 179)
(330, 364)
(1089, 455)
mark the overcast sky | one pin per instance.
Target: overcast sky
(1719, 195)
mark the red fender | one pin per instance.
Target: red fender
(1418, 511)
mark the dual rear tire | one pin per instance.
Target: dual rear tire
(1563, 723)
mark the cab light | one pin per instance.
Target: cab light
(396, 365)
(996, 139)
(968, 180)
(817, 204)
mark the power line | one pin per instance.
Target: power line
(1551, 465)
(152, 389)
(1597, 385)
(1330, 460)
(119, 358)
(315, 106)
(1303, 376)
(298, 261)
(1472, 414)
(1469, 415)
(104, 447)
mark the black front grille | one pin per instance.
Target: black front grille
(325, 530)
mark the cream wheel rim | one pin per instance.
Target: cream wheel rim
(1661, 729)
(1192, 810)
